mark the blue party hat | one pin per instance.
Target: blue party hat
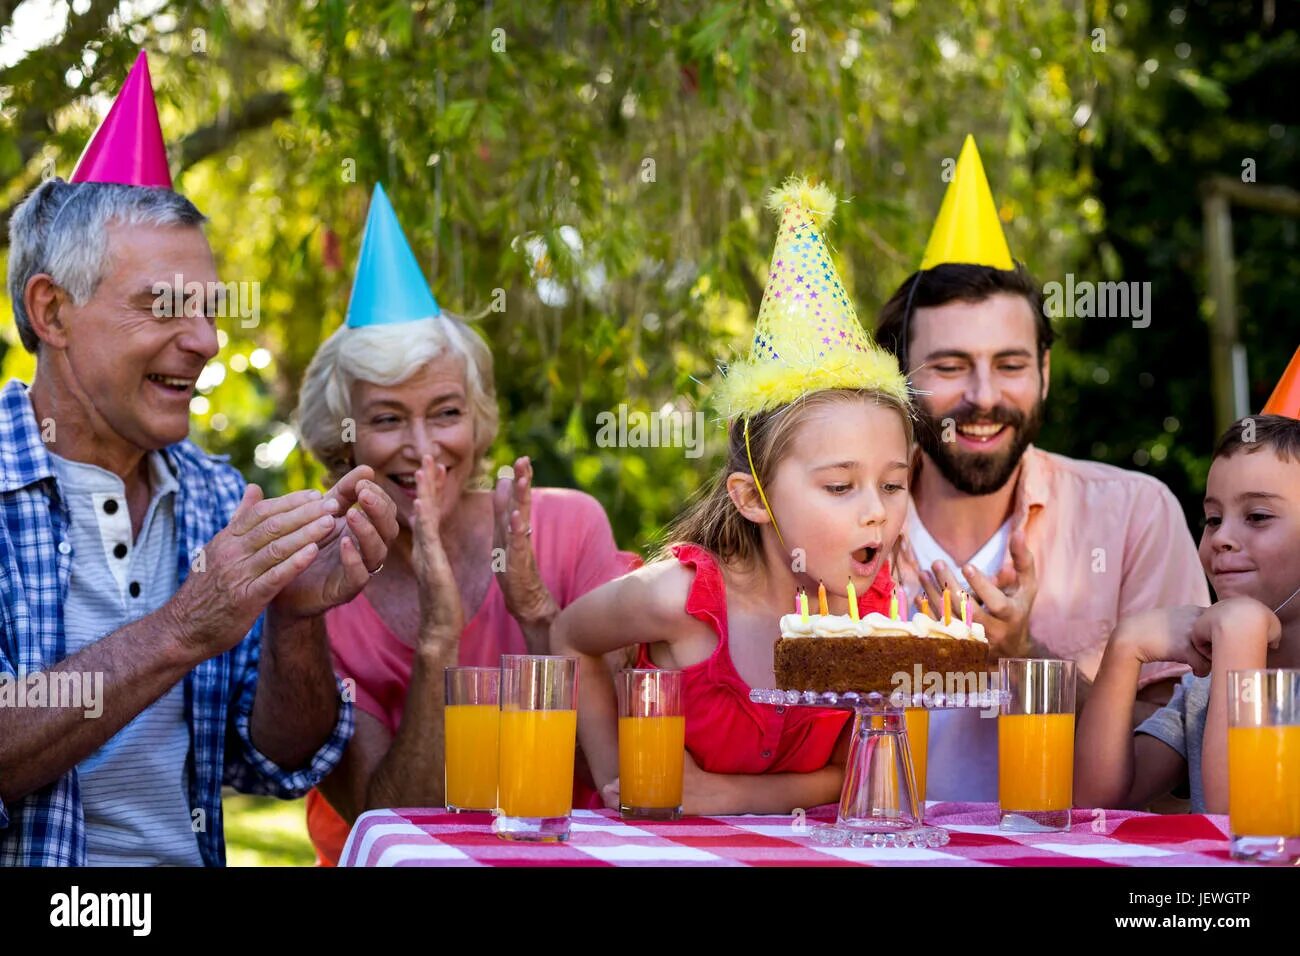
(389, 286)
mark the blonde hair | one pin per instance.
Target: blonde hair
(388, 355)
(714, 522)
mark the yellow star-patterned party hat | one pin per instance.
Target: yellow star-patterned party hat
(968, 229)
(808, 337)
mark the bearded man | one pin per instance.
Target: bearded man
(1054, 550)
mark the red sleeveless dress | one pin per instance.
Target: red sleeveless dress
(725, 731)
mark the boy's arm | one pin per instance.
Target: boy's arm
(1240, 632)
(1112, 767)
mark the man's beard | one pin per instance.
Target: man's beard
(977, 473)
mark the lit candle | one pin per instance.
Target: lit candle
(853, 601)
(965, 610)
(821, 599)
(893, 606)
(947, 607)
(803, 605)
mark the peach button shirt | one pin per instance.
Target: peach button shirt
(1106, 542)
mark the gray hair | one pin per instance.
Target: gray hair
(388, 355)
(61, 230)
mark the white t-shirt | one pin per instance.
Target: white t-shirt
(962, 754)
(988, 558)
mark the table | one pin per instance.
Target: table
(1111, 838)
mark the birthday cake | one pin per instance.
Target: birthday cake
(822, 652)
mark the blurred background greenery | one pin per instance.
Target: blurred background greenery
(264, 831)
(599, 169)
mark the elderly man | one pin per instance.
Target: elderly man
(134, 567)
(1055, 550)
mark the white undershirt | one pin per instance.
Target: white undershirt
(962, 757)
(988, 558)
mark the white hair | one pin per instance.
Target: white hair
(388, 355)
(61, 230)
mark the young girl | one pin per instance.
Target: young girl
(814, 490)
(1249, 551)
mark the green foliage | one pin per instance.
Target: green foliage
(263, 831)
(604, 164)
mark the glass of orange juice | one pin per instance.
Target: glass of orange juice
(471, 722)
(1264, 765)
(1036, 744)
(917, 722)
(539, 732)
(651, 744)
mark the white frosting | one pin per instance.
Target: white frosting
(876, 624)
(929, 627)
(836, 625)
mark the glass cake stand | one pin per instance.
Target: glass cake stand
(878, 806)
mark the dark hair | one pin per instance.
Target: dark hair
(1254, 432)
(952, 282)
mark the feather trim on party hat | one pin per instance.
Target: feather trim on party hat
(808, 337)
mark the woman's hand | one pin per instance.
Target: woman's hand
(441, 616)
(527, 598)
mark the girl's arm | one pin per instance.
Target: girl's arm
(645, 606)
(724, 794)
(1113, 767)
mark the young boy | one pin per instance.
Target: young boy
(1250, 549)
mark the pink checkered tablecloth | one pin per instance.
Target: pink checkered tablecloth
(413, 837)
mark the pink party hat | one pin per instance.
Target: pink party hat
(128, 146)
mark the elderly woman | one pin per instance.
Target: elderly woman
(388, 395)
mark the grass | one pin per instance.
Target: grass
(264, 831)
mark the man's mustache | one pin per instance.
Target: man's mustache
(965, 415)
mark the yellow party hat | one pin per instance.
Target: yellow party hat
(968, 230)
(808, 337)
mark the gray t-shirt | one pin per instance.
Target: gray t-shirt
(1181, 725)
(135, 788)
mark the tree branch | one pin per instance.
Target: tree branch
(258, 111)
(43, 70)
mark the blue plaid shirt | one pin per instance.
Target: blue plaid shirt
(47, 827)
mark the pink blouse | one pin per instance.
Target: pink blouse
(575, 552)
